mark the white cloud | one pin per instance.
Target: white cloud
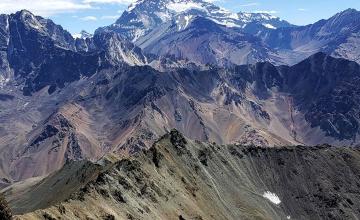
(110, 17)
(266, 12)
(89, 18)
(249, 4)
(42, 7)
(302, 9)
(47, 8)
(123, 2)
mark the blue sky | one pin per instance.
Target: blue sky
(77, 15)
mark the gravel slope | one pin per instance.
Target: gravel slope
(183, 179)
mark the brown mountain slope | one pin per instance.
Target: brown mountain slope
(183, 179)
(126, 109)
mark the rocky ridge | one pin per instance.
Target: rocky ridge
(178, 177)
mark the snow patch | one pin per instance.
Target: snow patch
(269, 26)
(233, 16)
(82, 35)
(183, 22)
(163, 16)
(77, 36)
(187, 20)
(272, 197)
(133, 5)
(179, 7)
(225, 23)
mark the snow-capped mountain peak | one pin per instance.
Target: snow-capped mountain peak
(180, 6)
(143, 16)
(82, 35)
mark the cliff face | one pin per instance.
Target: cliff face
(182, 179)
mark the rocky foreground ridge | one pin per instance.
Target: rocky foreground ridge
(183, 179)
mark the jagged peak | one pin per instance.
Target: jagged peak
(348, 13)
(325, 56)
(318, 55)
(319, 58)
(349, 10)
(29, 19)
(143, 16)
(253, 15)
(82, 35)
(25, 15)
(24, 12)
(174, 136)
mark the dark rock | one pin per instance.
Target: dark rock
(118, 196)
(124, 183)
(178, 116)
(47, 216)
(181, 217)
(103, 192)
(48, 132)
(109, 217)
(204, 156)
(178, 141)
(233, 151)
(6, 97)
(5, 212)
(156, 156)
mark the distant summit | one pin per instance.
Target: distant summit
(82, 35)
(145, 15)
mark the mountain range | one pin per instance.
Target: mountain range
(83, 103)
(207, 34)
